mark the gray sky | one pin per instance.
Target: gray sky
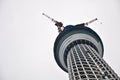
(27, 37)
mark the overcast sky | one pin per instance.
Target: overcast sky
(27, 38)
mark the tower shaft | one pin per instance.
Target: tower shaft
(84, 63)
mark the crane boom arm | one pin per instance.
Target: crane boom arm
(91, 21)
(49, 17)
(58, 24)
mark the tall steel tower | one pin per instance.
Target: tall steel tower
(78, 50)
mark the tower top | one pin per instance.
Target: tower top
(69, 36)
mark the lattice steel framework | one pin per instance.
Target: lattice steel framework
(84, 63)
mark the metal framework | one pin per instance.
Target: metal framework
(84, 63)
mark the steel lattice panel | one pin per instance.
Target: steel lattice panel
(84, 63)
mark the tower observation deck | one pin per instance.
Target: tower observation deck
(78, 50)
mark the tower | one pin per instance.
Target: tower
(78, 50)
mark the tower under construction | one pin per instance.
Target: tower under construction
(78, 50)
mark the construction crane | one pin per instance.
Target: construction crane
(58, 24)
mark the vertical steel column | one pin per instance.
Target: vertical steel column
(84, 63)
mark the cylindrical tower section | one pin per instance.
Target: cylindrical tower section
(84, 63)
(69, 35)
